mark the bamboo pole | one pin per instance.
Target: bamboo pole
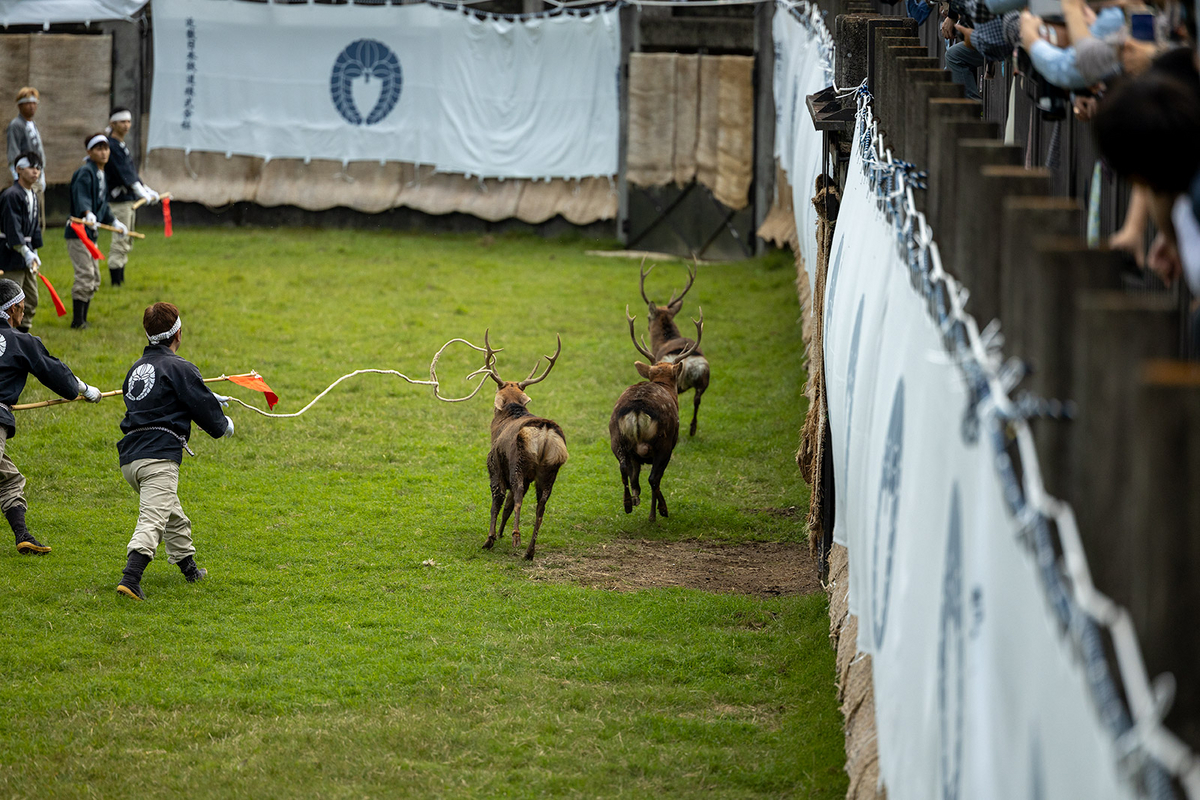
(60, 401)
(112, 228)
(142, 201)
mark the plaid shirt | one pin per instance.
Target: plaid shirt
(971, 13)
(996, 38)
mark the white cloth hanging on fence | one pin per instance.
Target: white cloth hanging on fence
(418, 84)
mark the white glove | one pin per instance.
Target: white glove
(31, 259)
(228, 430)
(90, 220)
(121, 227)
(154, 196)
(222, 399)
(90, 393)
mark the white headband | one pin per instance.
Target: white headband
(121, 116)
(97, 139)
(166, 336)
(4, 308)
(27, 99)
(23, 162)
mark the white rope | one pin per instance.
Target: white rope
(433, 381)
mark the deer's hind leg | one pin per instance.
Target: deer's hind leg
(498, 493)
(545, 485)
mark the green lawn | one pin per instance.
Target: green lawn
(321, 658)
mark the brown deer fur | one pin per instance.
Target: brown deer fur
(667, 343)
(644, 426)
(526, 450)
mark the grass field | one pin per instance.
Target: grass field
(322, 658)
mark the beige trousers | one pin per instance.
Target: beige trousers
(29, 285)
(87, 271)
(118, 251)
(12, 482)
(160, 516)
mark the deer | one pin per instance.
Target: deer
(668, 344)
(644, 426)
(526, 449)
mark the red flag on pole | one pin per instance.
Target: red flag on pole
(254, 381)
(166, 204)
(88, 243)
(58, 303)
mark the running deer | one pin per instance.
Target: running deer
(644, 426)
(525, 450)
(669, 344)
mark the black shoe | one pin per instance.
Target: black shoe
(116, 276)
(79, 314)
(191, 570)
(131, 576)
(26, 544)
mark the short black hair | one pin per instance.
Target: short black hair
(34, 159)
(118, 110)
(1147, 128)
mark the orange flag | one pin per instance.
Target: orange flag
(58, 303)
(254, 381)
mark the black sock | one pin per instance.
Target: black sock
(16, 520)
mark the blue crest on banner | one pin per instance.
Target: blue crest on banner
(365, 58)
(951, 656)
(887, 513)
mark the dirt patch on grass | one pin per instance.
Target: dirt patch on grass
(761, 569)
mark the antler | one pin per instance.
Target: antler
(642, 281)
(699, 332)
(530, 381)
(641, 348)
(691, 280)
(434, 378)
(489, 360)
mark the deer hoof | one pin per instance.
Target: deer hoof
(529, 554)
(491, 540)
(628, 503)
(692, 430)
(516, 538)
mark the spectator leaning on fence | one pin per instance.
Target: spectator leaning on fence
(1147, 128)
(23, 137)
(124, 189)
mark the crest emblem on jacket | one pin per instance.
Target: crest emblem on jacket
(140, 382)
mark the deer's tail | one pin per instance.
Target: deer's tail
(545, 445)
(639, 429)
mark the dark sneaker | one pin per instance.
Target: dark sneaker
(31, 546)
(131, 590)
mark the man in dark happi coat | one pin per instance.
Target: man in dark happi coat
(21, 232)
(22, 355)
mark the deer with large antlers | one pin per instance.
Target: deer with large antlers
(526, 450)
(644, 426)
(670, 345)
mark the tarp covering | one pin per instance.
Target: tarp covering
(43, 12)
(367, 186)
(73, 75)
(415, 84)
(691, 117)
(980, 692)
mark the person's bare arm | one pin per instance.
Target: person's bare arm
(1075, 13)
(1131, 238)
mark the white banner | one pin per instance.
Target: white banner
(978, 692)
(800, 70)
(411, 83)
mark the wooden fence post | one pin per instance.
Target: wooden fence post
(1114, 333)
(1042, 311)
(949, 119)
(1166, 508)
(959, 181)
(980, 201)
